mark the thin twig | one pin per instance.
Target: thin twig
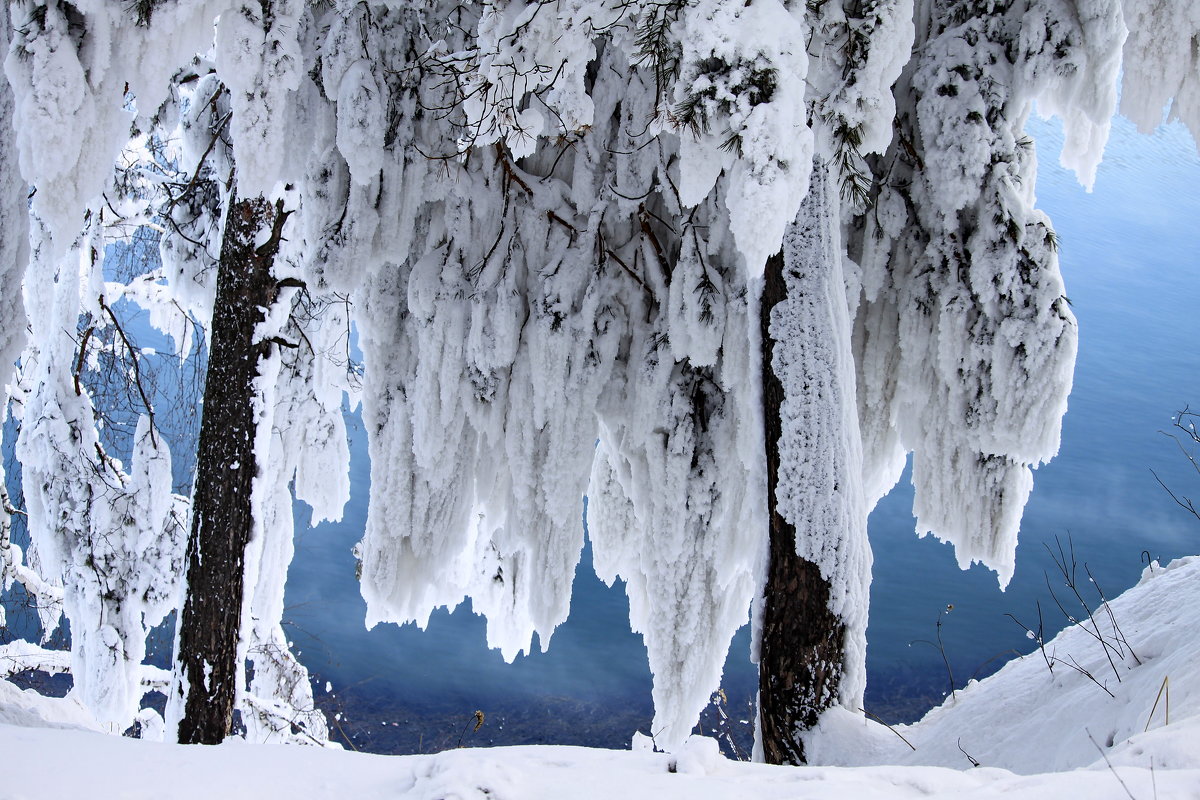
(1073, 664)
(83, 341)
(996, 657)
(631, 273)
(509, 170)
(1109, 763)
(890, 728)
(137, 375)
(1120, 635)
(203, 157)
(970, 757)
(1068, 573)
(942, 650)
(1186, 503)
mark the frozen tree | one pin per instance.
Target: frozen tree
(262, 425)
(720, 265)
(12, 337)
(93, 526)
(268, 417)
(106, 533)
(211, 620)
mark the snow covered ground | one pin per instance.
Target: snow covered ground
(1095, 726)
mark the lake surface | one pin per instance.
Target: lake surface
(1129, 256)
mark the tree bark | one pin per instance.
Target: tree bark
(210, 624)
(802, 641)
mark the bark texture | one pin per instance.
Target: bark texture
(801, 651)
(210, 624)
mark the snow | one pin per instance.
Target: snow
(1029, 729)
(73, 119)
(820, 450)
(530, 773)
(23, 709)
(112, 538)
(728, 47)
(553, 266)
(19, 655)
(1162, 64)
(853, 83)
(14, 245)
(301, 442)
(259, 60)
(964, 343)
(1085, 96)
(1029, 719)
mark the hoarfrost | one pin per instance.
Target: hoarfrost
(819, 491)
(964, 341)
(548, 228)
(1161, 63)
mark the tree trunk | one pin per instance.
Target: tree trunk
(210, 625)
(812, 652)
(801, 652)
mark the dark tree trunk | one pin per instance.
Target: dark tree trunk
(210, 624)
(801, 651)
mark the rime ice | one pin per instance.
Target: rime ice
(548, 225)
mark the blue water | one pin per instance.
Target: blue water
(1129, 255)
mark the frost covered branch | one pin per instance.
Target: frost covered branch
(1185, 424)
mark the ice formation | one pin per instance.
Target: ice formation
(1161, 63)
(819, 490)
(14, 254)
(964, 340)
(113, 537)
(548, 224)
